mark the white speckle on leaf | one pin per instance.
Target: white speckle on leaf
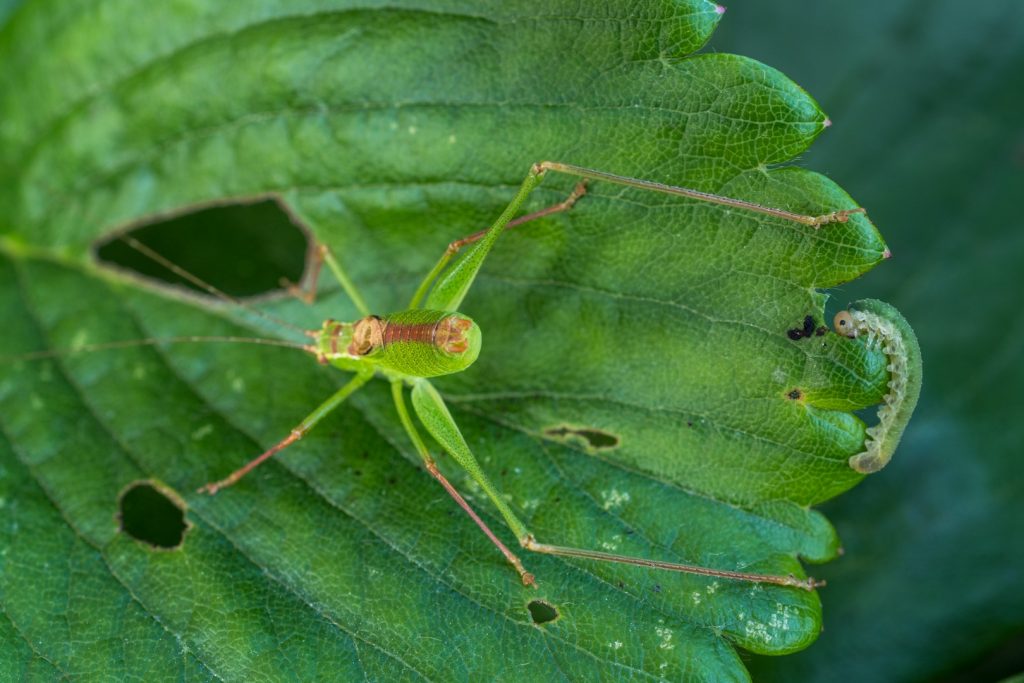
(238, 385)
(779, 376)
(614, 499)
(471, 487)
(780, 618)
(531, 504)
(615, 645)
(202, 432)
(612, 544)
(713, 588)
(665, 634)
(757, 631)
(451, 139)
(413, 130)
(695, 595)
(80, 339)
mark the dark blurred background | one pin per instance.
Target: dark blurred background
(927, 100)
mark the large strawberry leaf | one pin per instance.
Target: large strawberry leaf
(657, 324)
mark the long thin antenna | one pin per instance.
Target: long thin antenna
(210, 289)
(153, 341)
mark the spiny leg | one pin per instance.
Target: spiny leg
(841, 216)
(300, 431)
(439, 423)
(320, 255)
(453, 283)
(428, 461)
(530, 543)
(315, 255)
(456, 245)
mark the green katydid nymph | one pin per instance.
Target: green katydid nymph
(433, 338)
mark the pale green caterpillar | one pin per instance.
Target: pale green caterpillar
(886, 328)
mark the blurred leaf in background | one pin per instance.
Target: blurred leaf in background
(928, 104)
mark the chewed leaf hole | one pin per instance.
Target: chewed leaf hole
(244, 249)
(150, 513)
(542, 612)
(590, 438)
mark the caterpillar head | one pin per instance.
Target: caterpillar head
(844, 324)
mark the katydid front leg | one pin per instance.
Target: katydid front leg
(324, 409)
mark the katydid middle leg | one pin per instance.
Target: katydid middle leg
(322, 254)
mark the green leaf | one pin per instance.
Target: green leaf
(929, 133)
(657, 324)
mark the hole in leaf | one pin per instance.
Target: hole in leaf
(592, 439)
(150, 513)
(542, 612)
(243, 249)
(795, 394)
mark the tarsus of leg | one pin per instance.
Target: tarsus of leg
(206, 286)
(456, 245)
(300, 431)
(813, 221)
(428, 461)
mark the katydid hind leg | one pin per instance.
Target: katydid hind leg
(838, 216)
(431, 466)
(452, 285)
(456, 245)
(437, 419)
(297, 433)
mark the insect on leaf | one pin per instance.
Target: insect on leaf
(637, 391)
